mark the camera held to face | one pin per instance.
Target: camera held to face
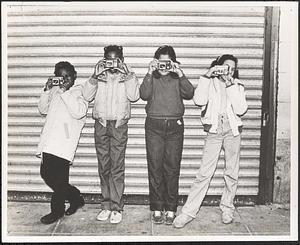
(57, 81)
(112, 64)
(221, 70)
(164, 65)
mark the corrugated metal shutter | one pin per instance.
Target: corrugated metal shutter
(40, 36)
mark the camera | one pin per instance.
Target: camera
(164, 65)
(57, 81)
(222, 70)
(112, 64)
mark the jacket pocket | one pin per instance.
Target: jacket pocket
(203, 113)
(67, 133)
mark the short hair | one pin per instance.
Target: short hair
(221, 59)
(64, 65)
(165, 50)
(114, 48)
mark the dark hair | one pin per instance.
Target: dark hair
(64, 65)
(165, 50)
(221, 59)
(114, 48)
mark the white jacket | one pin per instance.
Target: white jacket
(208, 94)
(113, 92)
(66, 115)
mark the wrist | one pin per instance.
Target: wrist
(208, 74)
(228, 83)
(94, 76)
(180, 73)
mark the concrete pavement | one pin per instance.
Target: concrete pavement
(23, 219)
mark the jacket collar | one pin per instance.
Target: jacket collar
(106, 76)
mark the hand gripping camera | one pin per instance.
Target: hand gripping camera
(164, 65)
(221, 70)
(57, 81)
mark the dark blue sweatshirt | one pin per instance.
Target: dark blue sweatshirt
(165, 96)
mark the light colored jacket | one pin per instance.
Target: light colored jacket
(66, 115)
(208, 94)
(112, 94)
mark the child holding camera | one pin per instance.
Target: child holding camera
(66, 113)
(164, 88)
(222, 95)
(113, 86)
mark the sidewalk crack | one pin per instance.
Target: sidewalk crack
(55, 228)
(152, 228)
(244, 224)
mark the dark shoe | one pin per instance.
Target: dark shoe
(50, 218)
(157, 217)
(74, 207)
(170, 216)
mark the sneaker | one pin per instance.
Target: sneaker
(157, 217)
(181, 220)
(227, 217)
(170, 216)
(103, 215)
(115, 217)
(50, 218)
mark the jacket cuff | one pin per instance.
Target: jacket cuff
(46, 91)
(129, 76)
(205, 76)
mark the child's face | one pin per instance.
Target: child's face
(164, 57)
(230, 63)
(68, 76)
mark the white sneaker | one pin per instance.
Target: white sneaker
(181, 220)
(227, 217)
(103, 215)
(115, 217)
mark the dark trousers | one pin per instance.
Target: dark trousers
(55, 172)
(110, 143)
(164, 142)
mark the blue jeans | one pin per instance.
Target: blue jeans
(164, 142)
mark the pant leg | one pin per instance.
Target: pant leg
(118, 143)
(155, 147)
(171, 167)
(55, 172)
(231, 172)
(102, 144)
(212, 148)
(72, 193)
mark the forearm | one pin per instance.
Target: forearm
(75, 103)
(44, 102)
(90, 88)
(146, 88)
(186, 88)
(132, 87)
(201, 92)
(237, 97)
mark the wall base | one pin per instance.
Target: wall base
(19, 196)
